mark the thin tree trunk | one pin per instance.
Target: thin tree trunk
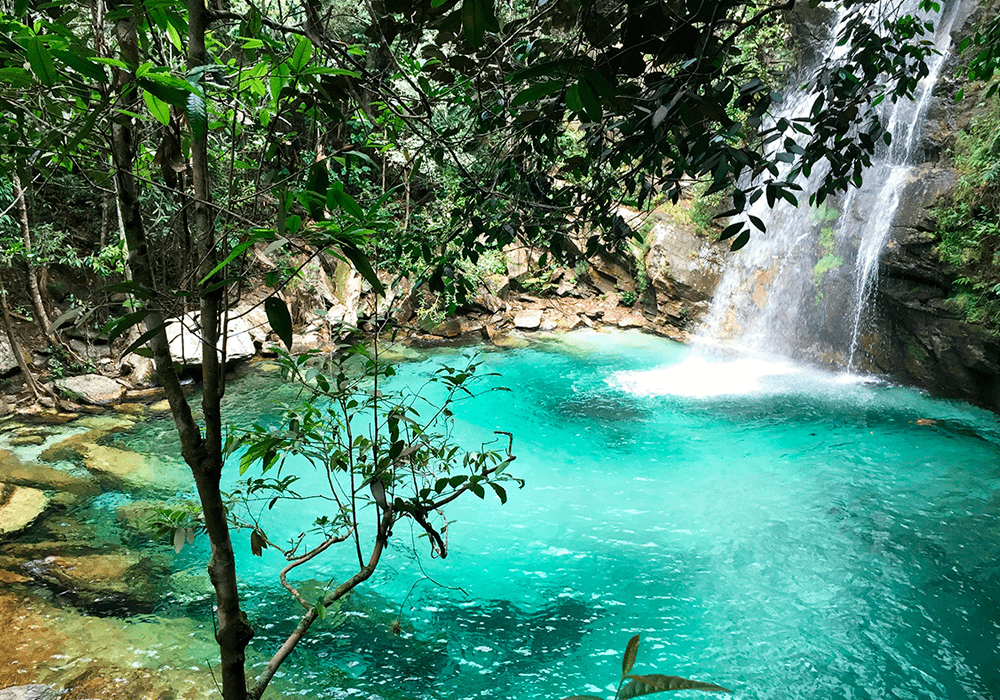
(15, 347)
(42, 318)
(234, 632)
(202, 454)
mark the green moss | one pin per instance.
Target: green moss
(969, 227)
(917, 352)
(826, 263)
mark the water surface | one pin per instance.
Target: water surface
(782, 532)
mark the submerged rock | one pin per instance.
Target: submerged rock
(27, 642)
(119, 583)
(12, 471)
(19, 507)
(133, 469)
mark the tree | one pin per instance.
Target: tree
(544, 122)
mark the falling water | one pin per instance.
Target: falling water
(802, 289)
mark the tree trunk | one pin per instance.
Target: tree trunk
(202, 454)
(234, 632)
(41, 317)
(15, 347)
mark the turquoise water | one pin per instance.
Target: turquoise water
(785, 533)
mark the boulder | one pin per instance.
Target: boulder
(94, 389)
(8, 363)
(29, 692)
(19, 507)
(528, 319)
(184, 338)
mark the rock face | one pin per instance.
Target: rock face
(684, 270)
(184, 338)
(923, 337)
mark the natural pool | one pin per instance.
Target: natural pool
(782, 532)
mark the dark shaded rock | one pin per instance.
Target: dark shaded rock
(924, 337)
(8, 363)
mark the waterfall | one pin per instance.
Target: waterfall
(802, 289)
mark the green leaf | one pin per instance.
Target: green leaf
(591, 102)
(336, 197)
(478, 17)
(363, 266)
(317, 185)
(301, 55)
(83, 66)
(175, 37)
(41, 62)
(157, 107)
(320, 610)
(731, 230)
(657, 683)
(741, 240)
(233, 254)
(142, 340)
(16, 77)
(536, 92)
(500, 492)
(197, 115)
(280, 319)
(171, 94)
(628, 660)
(116, 327)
